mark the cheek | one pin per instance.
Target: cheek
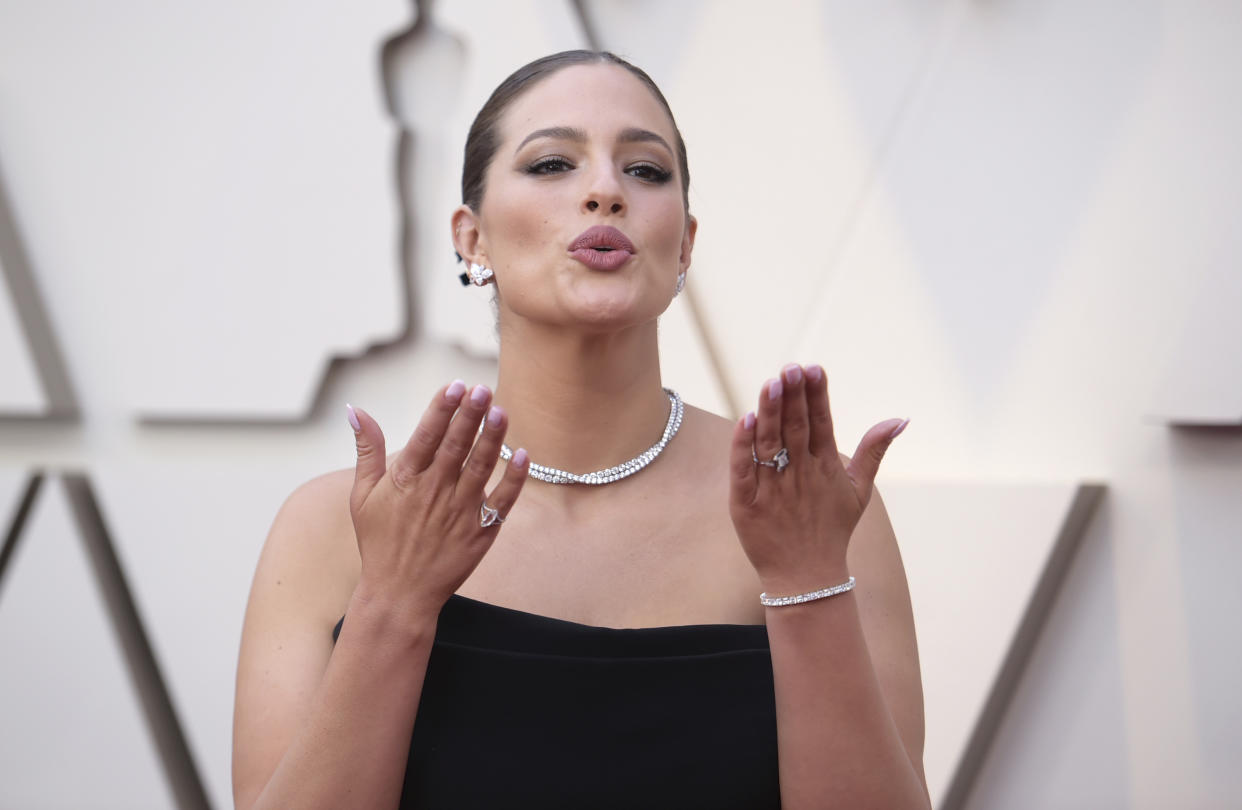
(667, 228)
(518, 226)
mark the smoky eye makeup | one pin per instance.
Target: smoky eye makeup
(548, 164)
(649, 172)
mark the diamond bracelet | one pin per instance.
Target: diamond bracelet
(780, 601)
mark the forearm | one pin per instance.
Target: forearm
(353, 747)
(838, 743)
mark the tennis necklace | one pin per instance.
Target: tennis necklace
(623, 470)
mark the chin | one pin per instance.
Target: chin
(603, 313)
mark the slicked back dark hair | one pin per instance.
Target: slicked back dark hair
(483, 140)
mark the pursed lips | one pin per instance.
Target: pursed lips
(602, 247)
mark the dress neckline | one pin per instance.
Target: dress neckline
(569, 623)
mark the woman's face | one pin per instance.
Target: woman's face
(582, 218)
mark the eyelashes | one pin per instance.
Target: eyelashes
(649, 172)
(555, 164)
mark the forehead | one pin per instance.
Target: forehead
(598, 98)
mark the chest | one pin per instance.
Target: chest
(642, 562)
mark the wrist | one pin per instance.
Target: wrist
(409, 619)
(805, 580)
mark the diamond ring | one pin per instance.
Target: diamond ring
(489, 516)
(780, 461)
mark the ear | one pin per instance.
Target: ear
(467, 238)
(687, 243)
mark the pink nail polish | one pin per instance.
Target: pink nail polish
(353, 417)
(897, 430)
(774, 389)
(813, 373)
(793, 374)
(748, 422)
(454, 392)
(479, 395)
(519, 458)
(493, 416)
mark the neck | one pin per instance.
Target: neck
(581, 402)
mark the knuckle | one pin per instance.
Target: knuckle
(365, 452)
(424, 439)
(403, 477)
(455, 445)
(479, 465)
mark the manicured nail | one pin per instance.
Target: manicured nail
(897, 430)
(454, 392)
(493, 416)
(774, 389)
(520, 458)
(748, 421)
(479, 395)
(793, 373)
(353, 417)
(814, 373)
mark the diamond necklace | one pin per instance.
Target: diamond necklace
(623, 470)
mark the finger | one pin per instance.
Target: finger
(506, 492)
(369, 441)
(795, 429)
(822, 441)
(865, 464)
(460, 436)
(743, 481)
(420, 450)
(486, 450)
(768, 425)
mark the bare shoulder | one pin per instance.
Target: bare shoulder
(311, 549)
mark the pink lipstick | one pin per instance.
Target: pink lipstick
(601, 247)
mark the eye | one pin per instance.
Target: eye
(649, 172)
(552, 164)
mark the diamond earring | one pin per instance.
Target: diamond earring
(477, 274)
(681, 283)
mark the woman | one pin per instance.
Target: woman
(610, 649)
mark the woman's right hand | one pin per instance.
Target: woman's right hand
(418, 521)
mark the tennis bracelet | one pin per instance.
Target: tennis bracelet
(779, 601)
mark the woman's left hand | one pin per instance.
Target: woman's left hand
(795, 524)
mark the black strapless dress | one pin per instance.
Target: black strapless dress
(525, 711)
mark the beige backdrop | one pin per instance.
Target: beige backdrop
(1014, 223)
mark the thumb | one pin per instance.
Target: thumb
(865, 464)
(369, 440)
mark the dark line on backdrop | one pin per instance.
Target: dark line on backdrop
(179, 768)
(1066, 546)
(585, 23)
(19, 522)
(36, 326)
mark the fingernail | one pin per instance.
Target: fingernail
(454, 392)
(353, 417)
(479, 395)
(813, 373)
(748, 421)
(897, 430)
(793, 373)
(493, 416)
(774, 389)
(519, 457)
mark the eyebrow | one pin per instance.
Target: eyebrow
(629, 135)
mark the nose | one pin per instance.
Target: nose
(593, 205)
(604, 192)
